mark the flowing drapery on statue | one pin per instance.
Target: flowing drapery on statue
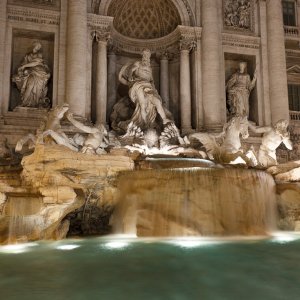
(239, 87)
(32, 79)
(138, 76)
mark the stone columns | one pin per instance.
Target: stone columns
(112, 79)
(264, 63)
(211, 66)
(76, 80)
(164, 78)
(3, 5)
(101, 77)
(197, 105)
(185, 85)
(277, 62)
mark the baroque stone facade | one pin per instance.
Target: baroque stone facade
(196, 47)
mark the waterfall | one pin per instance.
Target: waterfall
(23, 221)
(195, 202)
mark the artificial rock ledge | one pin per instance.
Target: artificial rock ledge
(54, 182)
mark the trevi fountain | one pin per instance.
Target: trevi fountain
(149, 149)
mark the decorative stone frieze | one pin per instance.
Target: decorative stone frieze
(32, 15)
(96, 22)
(170, 41)
(241, 41)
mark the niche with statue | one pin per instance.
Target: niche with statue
(240, 85)
(32, 70)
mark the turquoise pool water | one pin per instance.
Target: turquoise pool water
(103, 268)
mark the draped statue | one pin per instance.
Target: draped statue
(138, 76)
(238, 88)
(32, 79)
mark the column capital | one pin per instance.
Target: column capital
(165, 54)
(101, 36)
(187, 44)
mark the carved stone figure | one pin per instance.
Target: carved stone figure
(226, 147)
(50, 131)
(53, 131)
(273, 136)
(32, 79)
(96, 139)
(239, 87)
(142, 92)
(237, 13)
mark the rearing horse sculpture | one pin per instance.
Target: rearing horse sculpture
(227, 147)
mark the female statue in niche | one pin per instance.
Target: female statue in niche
(32, 79)
(238, 88)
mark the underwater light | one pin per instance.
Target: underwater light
(192, 243)
(17, 248)
(283, 238)
(116, 245)
(67, 247)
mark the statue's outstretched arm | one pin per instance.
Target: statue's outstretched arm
(253, 81)
(256, 129)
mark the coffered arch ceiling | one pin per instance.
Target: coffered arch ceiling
(147, 19)
(144, 19)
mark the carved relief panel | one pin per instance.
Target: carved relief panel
(238, 15)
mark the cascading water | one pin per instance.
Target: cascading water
(23, 220)
(195, 202)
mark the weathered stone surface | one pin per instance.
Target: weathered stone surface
(53, 183)
(288, 172)
(59, 166)
(288, 201)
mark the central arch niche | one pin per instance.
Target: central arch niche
(144, 19)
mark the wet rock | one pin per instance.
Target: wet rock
(54, 181)
(288, 201)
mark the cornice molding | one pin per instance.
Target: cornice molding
(33, 15)
(241, 41)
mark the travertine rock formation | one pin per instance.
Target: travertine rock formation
(53, 183)
(288, 201)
